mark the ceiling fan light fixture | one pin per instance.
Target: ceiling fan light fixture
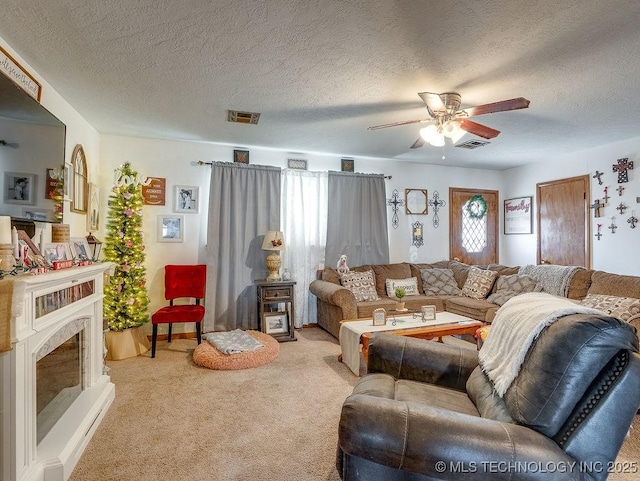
(450, 129)
(437, 140)
(428, 132)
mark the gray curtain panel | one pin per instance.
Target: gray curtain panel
(244, 203)
(357, 219)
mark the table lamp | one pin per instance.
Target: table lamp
(273, 241)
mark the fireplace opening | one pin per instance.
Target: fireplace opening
(59, 382)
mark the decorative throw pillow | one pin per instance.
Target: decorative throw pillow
(439, 282)
(509, 286)
(362, 284)
(621, 307)
(410, 285)
(479, 283)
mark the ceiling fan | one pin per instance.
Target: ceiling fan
(446, 119)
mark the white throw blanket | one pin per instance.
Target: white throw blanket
(516, 325)
(552, 278)
(233, 342)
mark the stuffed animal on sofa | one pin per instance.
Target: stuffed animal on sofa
(342, 266)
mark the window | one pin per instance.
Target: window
(474, 231)
(79, 181)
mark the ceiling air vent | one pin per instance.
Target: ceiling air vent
(243, 117)
(473, 144)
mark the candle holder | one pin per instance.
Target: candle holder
(7, 261)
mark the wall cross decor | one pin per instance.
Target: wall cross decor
(598, 175)
(613, 225)
(620, 190)
(621, 208)
(599, 234)
(606, 195)
(596, 206)
(622, 168)
(395, 202)
(436, 203)
(632, 221)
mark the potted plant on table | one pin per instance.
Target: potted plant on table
(400, 293)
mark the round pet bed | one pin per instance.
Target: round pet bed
(206, 355)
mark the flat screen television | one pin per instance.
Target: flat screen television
(32, 143)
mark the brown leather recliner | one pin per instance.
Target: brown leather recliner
(426, 411)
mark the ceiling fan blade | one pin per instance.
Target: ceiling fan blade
(478, 129)
(502, 106)
(433, 101)
(395, 124)
(418, 143)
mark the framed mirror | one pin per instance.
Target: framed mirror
(416, 201)
(79, 181)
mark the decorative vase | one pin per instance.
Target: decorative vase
(124, 344)
(286, 275)
(399, 306)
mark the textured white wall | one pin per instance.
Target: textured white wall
(614, 252)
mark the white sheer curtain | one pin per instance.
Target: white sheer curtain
(304, 224)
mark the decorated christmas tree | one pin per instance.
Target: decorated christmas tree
(125, 301)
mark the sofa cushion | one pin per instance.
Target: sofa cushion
(389, 271)
(509, 286)
(416, 268)
(329, 274)
(469, 307)
(614, 284)
(362, 284)
(479, 282)
(409, 284)
(460, 272)
(439, 282)
(580, 284)
(621, 307)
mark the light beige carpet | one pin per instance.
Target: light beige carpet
(173, 420)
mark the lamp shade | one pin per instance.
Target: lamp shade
(273, 241)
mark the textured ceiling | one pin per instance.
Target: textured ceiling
(320, 72)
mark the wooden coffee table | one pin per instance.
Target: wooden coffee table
(455, 325)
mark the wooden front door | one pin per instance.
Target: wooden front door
(473, 241)
(563, 222)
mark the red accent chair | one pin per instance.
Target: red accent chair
(181, 282)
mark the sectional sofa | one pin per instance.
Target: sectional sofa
(335, 302)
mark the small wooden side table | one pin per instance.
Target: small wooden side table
(276, 309)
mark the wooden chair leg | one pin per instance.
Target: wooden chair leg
(169, 338)
(154, 336)
(198, 332)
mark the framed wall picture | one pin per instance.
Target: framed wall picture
(155, 192)
(298, 164)
(379, 317)
(347, 165)
(19, 188)
(276, 323)
(186, 199)
(416, 202)
(170, 228)
(241, 156)
(93, 215)
(518, 216)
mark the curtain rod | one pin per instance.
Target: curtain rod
(202, 162)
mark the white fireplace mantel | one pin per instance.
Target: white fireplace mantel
(43, 307)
